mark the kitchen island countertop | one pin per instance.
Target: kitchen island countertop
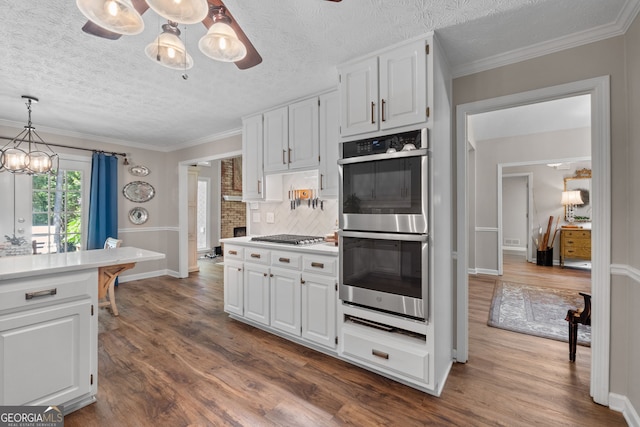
(39, 265)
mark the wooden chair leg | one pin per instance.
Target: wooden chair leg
(573, 340)
(111, 295)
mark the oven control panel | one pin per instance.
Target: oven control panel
(383, 144)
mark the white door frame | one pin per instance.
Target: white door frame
(598, 88)
(183, 214)
(529, 177)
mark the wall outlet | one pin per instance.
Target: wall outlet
(255, 217)
(271, 218)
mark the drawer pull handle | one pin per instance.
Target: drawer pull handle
(380, 354)
(233, 252)
(265, 274)
(255, 255)
(302, 282)
(239, 269)
(287, 260)
(32, 295)
(317, 264)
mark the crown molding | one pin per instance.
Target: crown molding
(204, 140)
(616, 28)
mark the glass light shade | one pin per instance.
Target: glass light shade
(222, 44)
(571, 198)
(182, 11)
(169, 51)
(14, 160)
(39, 162)
(118, 16)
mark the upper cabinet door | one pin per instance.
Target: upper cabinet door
(276, 140)
(359, 97)
(304, 147)
(403, 86)
(329, 144)
(252, 175)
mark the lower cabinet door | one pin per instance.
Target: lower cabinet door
(256, 293)
(319, 309)
(233, 288)
(285, 300)
(45, 354)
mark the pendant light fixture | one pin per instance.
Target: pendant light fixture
(33, 161)
(221, 42)
(181, 11)
(118, 16)
(168, 50)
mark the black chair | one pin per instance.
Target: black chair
(576, 317)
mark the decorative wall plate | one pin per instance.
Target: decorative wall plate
(138, 215)
(139, 170)
(139, 191)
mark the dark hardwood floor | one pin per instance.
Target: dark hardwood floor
(174, 358)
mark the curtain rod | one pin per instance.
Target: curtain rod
(77, 148)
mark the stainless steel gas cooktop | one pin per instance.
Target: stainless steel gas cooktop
(289, 239)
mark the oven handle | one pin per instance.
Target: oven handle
(384, 156)
(385, 236)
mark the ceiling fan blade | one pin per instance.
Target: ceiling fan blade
(96, 30)
(253, 58)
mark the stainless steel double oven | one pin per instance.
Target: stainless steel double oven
(384, 223)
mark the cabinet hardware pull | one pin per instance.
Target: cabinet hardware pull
(287, 260)
(239, 269)
(233, 252)
(265, 274)
(321, 185)
(283, 153)
(32, 295)
(259, 187)
(289, 155)
(380, 354)
(255, 255)
(317, 264)
(271, 275)
(373, 120)
(302, 281)
(383, 102)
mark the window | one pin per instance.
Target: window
(58, 213)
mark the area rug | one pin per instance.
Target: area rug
(536, 310)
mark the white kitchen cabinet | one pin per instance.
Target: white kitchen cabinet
(329, 144)
(252, 170)
(256, 293)
(285, 300)
(384, 91)
(319, 296)
(233, 287)
(276, 140)
(304, 147)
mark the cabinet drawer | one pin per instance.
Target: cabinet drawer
(393, 352)
(286, 260)
(257, 256)
(577, 234)
(577, 252)
(233, 252)
(320, 264)
(576, 242)
(27, 292)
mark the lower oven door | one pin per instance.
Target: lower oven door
(386, 272)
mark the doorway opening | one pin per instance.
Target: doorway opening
(598, 91)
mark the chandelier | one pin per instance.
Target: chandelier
(123, 17)
(30, 157)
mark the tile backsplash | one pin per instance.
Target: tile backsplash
(302, 220)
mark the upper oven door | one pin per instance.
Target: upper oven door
(385, 192)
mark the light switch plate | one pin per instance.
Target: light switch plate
(271, 218)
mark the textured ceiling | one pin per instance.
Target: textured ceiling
(111, 91)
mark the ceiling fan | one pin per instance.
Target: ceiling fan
(101, 14)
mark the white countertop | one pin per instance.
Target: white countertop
(327, 248)
(38, 265)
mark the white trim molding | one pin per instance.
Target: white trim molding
(620, 403)
(486, 229)
(626, 270)
(147, 229)
(149, 274)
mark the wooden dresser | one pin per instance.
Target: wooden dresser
(575, 243)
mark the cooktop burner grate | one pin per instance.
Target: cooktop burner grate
(289, 239)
